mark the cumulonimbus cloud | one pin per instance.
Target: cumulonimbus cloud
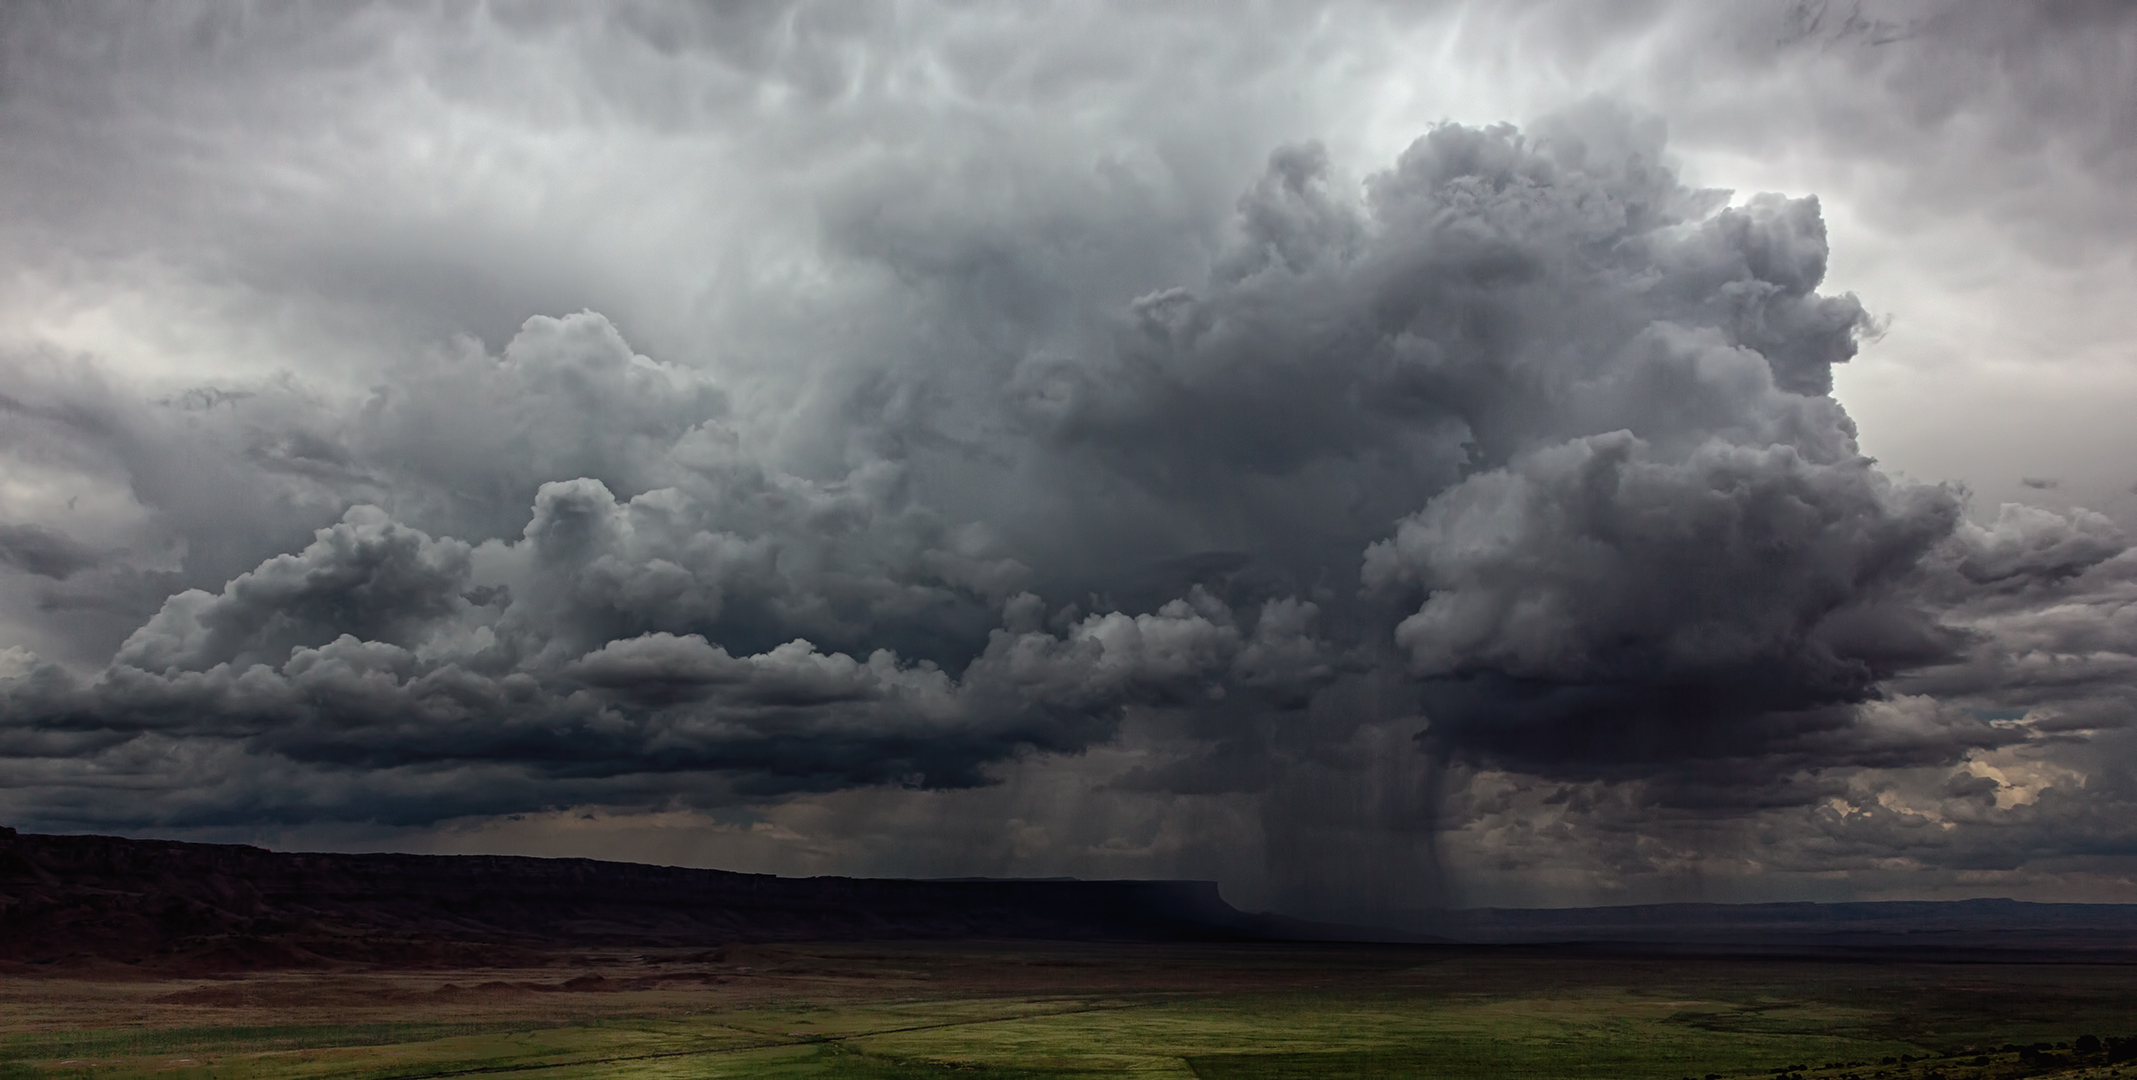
(1521, 426)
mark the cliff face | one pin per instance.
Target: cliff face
(100, 897)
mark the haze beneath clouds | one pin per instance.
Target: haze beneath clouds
(1375, 456)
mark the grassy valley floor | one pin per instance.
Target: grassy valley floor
(1218, 1012)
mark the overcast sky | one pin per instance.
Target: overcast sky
(1374, 456)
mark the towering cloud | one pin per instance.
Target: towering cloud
(1502, 483)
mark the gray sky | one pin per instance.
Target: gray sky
(1372, 455)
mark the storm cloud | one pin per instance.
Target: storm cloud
(867, 446)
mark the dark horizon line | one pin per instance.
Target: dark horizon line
(1421, 911)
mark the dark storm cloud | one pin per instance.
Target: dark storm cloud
(1707, 565)
(2027, 548)
(47, 553)
(2049, 603)
(378, 646)
(703, 405)
(1646, 534)
(1599, 607)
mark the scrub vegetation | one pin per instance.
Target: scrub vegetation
(1216, 1012)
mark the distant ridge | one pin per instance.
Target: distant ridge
(71, 899)
(1982, 924)
(67, 901)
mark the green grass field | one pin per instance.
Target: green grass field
(1218, 1014)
